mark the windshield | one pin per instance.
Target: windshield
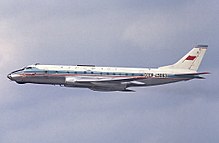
(18, 70)
(28, 68)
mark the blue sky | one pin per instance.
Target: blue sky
(140, 33)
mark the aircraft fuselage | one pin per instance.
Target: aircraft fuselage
(111, 78)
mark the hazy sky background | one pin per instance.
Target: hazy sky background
(130, 33)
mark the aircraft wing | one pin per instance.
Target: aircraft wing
(98, 83)
(84, 79)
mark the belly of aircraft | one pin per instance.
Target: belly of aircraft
(45, 80)
(99, 86)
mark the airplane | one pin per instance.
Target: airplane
(112, 78)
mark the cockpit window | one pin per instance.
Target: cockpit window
(18, 70)
(28, 68)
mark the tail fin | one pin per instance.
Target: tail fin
(191, 60)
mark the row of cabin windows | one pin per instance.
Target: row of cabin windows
(98, 73)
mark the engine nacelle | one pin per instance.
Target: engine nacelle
(70, 80)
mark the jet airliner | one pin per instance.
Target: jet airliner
(112, 78)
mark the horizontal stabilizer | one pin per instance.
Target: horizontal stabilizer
(199, 73)
(192, 75)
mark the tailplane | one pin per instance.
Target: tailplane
(191, 60)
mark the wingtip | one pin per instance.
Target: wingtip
(206, 73)
(200, 77)
(202, 46)
(128, 90)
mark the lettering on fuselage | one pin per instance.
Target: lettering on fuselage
(148, 75)
(157, 75)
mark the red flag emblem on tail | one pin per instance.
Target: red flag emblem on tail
(191, 58)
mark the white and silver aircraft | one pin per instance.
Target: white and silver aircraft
(112, 78)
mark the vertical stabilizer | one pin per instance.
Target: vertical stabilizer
(191, 60)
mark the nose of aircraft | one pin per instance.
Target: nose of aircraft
(9, 76)
(13, 76)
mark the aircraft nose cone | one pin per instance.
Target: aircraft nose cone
(12, 76)
(9, 76)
